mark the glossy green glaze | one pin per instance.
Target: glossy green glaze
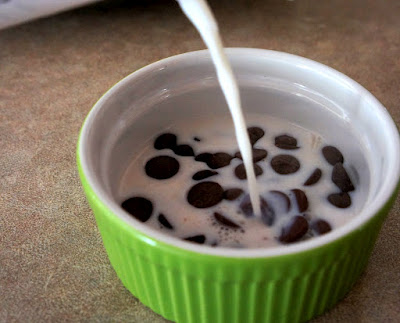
(185, 286)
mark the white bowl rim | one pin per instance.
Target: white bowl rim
(155, 236)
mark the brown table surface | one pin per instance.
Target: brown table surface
(53, 266)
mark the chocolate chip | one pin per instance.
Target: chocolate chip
(285, 164)
(286, 142)
(341, 178)
(219, 160)
(240, 171)
(282, 201)
(162, 167)
(200, 239)
(294, 230)
(267, 213)
(166, 140)
(203, 157)
(301, 199)
(183, 150)
(314, 177)
(205, 194)
(320, 226)
(225, 221)
(232, 194)
(163, 220)
(341, 200)
(216, 160)
(196, 139)
(140, 207)
(255, 134)
(202, 174)
(258, 154)
(332, 155)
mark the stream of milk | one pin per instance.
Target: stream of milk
(199, 13)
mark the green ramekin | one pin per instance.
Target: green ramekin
(188, 283)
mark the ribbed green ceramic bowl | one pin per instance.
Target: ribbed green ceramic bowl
(186, 282)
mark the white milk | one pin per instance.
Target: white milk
(202, 18)
(169, 196)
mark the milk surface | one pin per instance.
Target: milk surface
(216, 135)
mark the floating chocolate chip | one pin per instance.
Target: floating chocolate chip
(139, 207)
(258, 154)
(286, 142)
(162, 167)
(200, 239)
(341, 200)
(267, 213)
(314, 177)
(219, 160)
(166, 140)
(294, 230)
(246, 206)
(285, 164)
(341, 178)
(240, 171)
(282, 201)
(221, 219)
(301, 199)
(203, 157)
(202, 174)
(320, 226)
(183, 150)
(232, 194)
(205, 194)
(332, 155)
(163, 220)
(255, 134)
(196, 139)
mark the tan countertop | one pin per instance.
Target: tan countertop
(53, 266)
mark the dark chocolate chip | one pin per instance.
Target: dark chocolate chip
(162, 167)
(139, 207)
(267, 213)
(301, 199)
(341, 200)
(314, 177)
(163, 220)
(205, 194)
(255, 134)
(183, 150)
(332, 155)
(200, 239)
(285, 164)
(341, 178)
(240, 171)
(196, 139)
(166, 140)
(202, 174)
(258, 154)
(294, 230)
(221, 219)
(286, 142)
(320, 226)
(282, 200)
(203, 157)
(219, 160)
(232, 194)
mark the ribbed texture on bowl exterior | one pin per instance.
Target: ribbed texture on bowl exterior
(188, 287)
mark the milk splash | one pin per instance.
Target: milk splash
(202, 18)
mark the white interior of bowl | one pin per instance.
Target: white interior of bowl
(151, 99)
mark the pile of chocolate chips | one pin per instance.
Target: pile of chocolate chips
(208, 193)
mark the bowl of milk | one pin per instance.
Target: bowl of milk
(162, 169)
